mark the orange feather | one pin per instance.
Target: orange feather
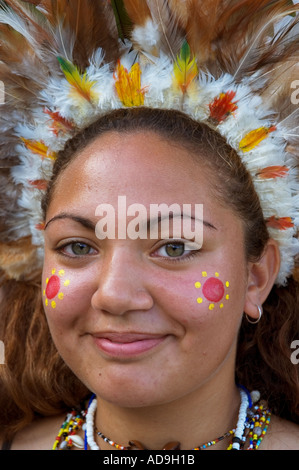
(38, 148)
(273, 172)
(40, 226)
(39, 184)
(128, 85)
(59, 123)
(222, 106)
(280, 223)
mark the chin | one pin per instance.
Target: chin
(128, 392)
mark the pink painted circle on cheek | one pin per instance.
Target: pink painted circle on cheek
(53, 287)
(213, 289)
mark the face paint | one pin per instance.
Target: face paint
(53, 291)
(213, 290)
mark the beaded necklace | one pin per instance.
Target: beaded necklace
(253, 422)
(136, 445)
(67, 436)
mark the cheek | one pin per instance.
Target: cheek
(209, 306)
(213, 321)
(64, 296)
(54, 287)
(196, 299)
(211, 290)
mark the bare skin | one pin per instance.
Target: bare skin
(182, 388)
(282, 435)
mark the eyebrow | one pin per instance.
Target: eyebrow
(172, 216)
(87, 223)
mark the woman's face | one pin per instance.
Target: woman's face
(142, 321)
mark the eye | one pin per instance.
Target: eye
(77, 249)
(177, 250)
(173, 250)
(80, 248)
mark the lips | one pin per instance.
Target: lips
(127, 344)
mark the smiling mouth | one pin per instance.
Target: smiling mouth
(127, 344)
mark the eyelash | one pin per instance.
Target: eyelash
(179, 259)
(60, 249)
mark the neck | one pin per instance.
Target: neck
(193, 420)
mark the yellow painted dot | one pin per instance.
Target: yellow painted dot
(53, 304)
(61, 272)
(217, 274)
(199, 300)
(227, 284)
(46, 302)
(221, 305)
(60, 295)
(67, 282)
(47, 280)
(53, 271)
(227, 297)
(204, 274)
(198, 285)
(211, 307)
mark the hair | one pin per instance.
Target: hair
(35, 382)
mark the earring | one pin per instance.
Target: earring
(260, 310)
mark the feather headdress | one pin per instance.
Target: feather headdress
(232, 64)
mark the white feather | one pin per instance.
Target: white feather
(12, 19)
(147, 37)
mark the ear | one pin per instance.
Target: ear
(261, 278)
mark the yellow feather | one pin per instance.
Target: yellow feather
(80, 83)
(255, 137)
(128, 85)
(39, 148)
(185, 69)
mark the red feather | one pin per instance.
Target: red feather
(59, 123)
(40, 226)
(280, 223)
(222, 107)
(39, 184)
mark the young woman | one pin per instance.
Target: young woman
(156, 342)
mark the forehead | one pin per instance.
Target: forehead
(147, 170)
(142, 166)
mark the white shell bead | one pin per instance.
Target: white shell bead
(255, 396)
(77, 441)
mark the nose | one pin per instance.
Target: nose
(121, 286)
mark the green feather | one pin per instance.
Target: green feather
(123, 22)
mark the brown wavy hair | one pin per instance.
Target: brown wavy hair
(35, 382)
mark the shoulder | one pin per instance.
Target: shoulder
(282, 435)
(39, 435)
